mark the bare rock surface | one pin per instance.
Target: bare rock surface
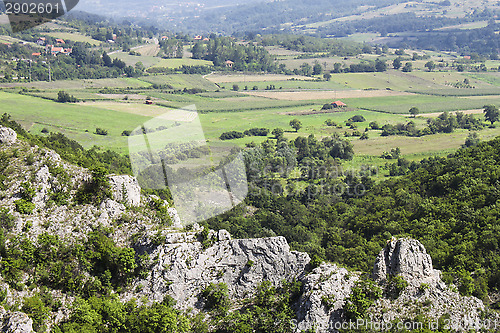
(407, 258)
(325, 291)
(125, 189)
(185, 268)
(7, 135)
(327, 288)
(15, 322)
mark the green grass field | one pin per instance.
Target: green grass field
(75, 37)
(181, 81)
(131, 60)
(80, 84)
(176, 63)
(425, 103)
(224, 110)
(287, 85)
(76, 121)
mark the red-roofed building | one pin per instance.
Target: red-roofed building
(60, 41)
(36, 54)
(339, 104)
(198, 37)
(41, 41)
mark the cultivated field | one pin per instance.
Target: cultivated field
(177, 63)
(119, 104)
(224, 78)
(325, 95)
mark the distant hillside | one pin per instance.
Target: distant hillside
(322, 17)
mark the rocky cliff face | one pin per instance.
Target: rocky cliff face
(184, 267)
(426, 294)
(182, 264)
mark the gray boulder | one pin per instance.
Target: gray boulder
(15, 322)
(7, 135)
(125, 189)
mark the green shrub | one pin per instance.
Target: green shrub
(35, 308)
(24, 207)
(396, 285)
(216, 297)
(100, 131)
(96, 190)
(363, 295)
(6, 219)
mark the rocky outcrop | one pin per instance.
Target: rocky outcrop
(184, 267)
(15, 322)
(7, 135)
(407, 258)
(426, 296)
(125, 189)
(325, 290)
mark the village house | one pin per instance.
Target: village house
(339, 104)
(55, 50)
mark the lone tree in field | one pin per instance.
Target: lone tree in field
(491, 113)
(64, 97)
(396, 64)
(430, 65)
(408, 67)
(414, 111)
(296, 124)
(277, 132)
(380, 66)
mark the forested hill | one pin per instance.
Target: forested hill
(269, 16)
(452, 205)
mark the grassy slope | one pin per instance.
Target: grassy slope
(71, 119)
(76, 37)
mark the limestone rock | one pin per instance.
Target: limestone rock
(42, 178)
(184, 269)
(176, 220)
(223, 235)
(125, 189)
(325, 291)
(112, 208)
(15, 322)
(7, 135)
(408, 258)
(426, 295)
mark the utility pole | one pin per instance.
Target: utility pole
(31, 61)
(50, 74)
